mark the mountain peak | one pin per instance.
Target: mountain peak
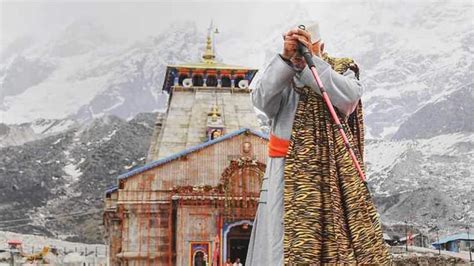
(79, 37)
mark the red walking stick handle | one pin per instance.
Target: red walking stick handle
(309, 60)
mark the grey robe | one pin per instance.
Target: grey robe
(274, 96)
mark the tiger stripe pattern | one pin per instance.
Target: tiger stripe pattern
(329, 216)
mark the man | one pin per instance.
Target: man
(228, 262)
(237, 262)
(313, 208)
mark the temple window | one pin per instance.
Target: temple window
(238, 79)
(216, 133)
(226, 82)
(198, 81)
(211, 81)
(181, 78)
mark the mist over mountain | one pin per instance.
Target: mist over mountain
(71, 108)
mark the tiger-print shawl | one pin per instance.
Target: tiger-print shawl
(329, 214)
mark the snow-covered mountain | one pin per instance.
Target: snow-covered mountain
(81, 75)
(449, 113)
(64, 176)
(425, 181)
(68, 104)
(409, 55)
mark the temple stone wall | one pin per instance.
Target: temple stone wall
(184, 124)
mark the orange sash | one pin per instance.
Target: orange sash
(277, 147)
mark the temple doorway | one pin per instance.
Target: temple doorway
(199, 259)
(237, 240)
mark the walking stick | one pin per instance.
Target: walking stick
(309, 61)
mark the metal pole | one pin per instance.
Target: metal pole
(12, 257)
(439, 244)
(469, 244)
(406, 236)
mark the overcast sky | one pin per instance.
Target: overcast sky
(135, 19)
(132, 19)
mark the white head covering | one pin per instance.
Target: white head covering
(313, 28)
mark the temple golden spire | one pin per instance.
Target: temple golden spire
(208, 56)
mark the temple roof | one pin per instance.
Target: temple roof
(214, 65)
(111, 189)
(208, 62)
(185, 152)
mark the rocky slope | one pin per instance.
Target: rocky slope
(55, 185)
(427, 182)
(448, 113)
(14, 135)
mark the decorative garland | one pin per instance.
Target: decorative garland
(235, 165)
(224, 186)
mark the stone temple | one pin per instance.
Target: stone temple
(194, 201)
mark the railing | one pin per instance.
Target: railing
(212, 89)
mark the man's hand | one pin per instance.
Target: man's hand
(291, 39)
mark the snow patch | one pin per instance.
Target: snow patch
(72, 170)
(384, 154)
(443, 144)
(109, 136)
(30, 242)
(128, 167)
(56, 97)
(120, 101)
(40, 126)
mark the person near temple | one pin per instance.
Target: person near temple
(314, 208)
